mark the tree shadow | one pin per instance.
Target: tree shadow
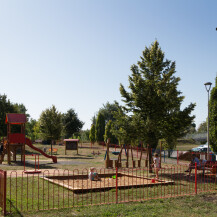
(80, 157)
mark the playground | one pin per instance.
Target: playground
(38, 178)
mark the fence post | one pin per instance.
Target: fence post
(195, 177)
(116, 184)
(3, 191)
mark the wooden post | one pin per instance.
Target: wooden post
(9, 154)
(127, 163)
(77, 147)
(14, 153)
(23, 153)
(107, 163)
(133, 162)
(51, 147)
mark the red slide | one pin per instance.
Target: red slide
(29, 143)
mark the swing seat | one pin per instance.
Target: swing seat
(116, 152)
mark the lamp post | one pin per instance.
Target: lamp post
(208, 87)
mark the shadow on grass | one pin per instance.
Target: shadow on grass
(15, 211)
(74, 158)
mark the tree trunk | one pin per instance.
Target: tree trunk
(169, 153)
(150, 159)
(51, 147)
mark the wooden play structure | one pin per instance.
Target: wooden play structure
(117, 163)
(71, 144)
(15, 141)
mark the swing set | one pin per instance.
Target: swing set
(118, 163)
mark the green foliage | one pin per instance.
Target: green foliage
(84, 134)
(108, 133)
(192, 128)
(51, 124)
(100, 128)
(92, 135)
(5, 107)
(213, 118)
(154, 100)
(71, 123)
(202, 127)
(108, 110)
(30, 129)
(126, 128)
(93, 120)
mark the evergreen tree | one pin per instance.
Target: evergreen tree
(154, 97)
(213, 117)
(100, 128)
(71, 122)
(92, 136)
(93, 120)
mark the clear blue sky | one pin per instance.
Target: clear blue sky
(75, 54)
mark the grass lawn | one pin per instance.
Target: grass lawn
(194, 206)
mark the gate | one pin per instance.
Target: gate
(3, 178)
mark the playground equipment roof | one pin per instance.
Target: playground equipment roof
(15, 118)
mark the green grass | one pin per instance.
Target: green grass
(194, 206)
(28, 203)
(33, 193)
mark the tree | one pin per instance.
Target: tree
(213, 117)
(108, 110)
(153, 95)
(71, 122)
(36, 130)
(93, 120)
(177, 124)
(51, 126)
(100, 128)
(85, 135)
(108, 133)
(202, 127)
(30, 125)
(92, 136)
(5, 107)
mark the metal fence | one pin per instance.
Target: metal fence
(61, 189)
(3, 178)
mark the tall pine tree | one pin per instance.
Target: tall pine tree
(100, 128)
(92, 136)
(153, 95)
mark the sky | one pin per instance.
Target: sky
(75, 53)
